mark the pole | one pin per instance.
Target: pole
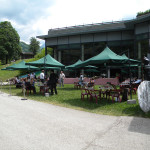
(130, 80)
(1, 88)
(130, 75)
(24, 96)
(9, 87)
(45, 71)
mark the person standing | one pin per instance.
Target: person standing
(52, 82)
(81, 79)
(42, 76)
(32, 75)
(61, 78)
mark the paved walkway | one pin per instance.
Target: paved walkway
(31, 125)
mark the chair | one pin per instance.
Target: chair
(90, 85)
(94, 94)
(44, 89)
(84, 92)
(115, 94)
(135, 87)
(77, 85)
(28, 87)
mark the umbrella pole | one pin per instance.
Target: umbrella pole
(9, 87)
(130, 81)
(1, 88)
(24, 96)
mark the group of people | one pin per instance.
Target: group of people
(28, 82)
(85, 84)
(52, 80)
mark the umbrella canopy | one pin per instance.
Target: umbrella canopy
(22, 66)
(105, 56)
(91, 70)
(46, 61)
(91, 67)
(50, 68)
(6, 69)
(73, 66)
(10, 67)
(131, 60)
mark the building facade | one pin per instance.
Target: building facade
(70, 44)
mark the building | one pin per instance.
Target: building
(84, 41)
(27, 55)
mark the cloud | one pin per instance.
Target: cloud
(24, 11)
(32, 18)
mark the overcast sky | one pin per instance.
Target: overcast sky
(32, 18)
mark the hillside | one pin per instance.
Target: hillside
(24, 46)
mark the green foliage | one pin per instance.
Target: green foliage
(41, 54)
(34, 45)
(143, 13)
(9, 43)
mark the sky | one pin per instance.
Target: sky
(33, 18)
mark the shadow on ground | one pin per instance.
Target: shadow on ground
(140, 125)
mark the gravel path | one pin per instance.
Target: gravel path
(31, 125)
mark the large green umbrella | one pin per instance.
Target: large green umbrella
(10, 67)
(73, 66)
(91, 70)
(6, 69)
(51, 68)
(22, 66)
(46, 61)
(131, 60)
(91, 67)
(104, 57)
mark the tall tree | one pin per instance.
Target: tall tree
(9, 42)
(34, 45)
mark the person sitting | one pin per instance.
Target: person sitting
(81, 79)
(27, 84)
(18, 82)
(91, 83)
(32, 85)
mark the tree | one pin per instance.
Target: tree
(9, 42)
(42, 53)
(34, 45)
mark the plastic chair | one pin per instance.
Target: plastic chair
(44, 89)
(77, 85)
(94, 94)
(84, 92)
(115, 94)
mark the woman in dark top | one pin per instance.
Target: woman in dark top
(52, 82)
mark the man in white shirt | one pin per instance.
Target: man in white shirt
(81, 79)
(32, 75)
(42, 76)
(61, 78)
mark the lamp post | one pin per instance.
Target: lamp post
(129, 71)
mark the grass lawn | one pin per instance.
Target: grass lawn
(71, 98)
(6, 74)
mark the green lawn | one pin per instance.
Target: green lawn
(71, 98)
(6, 74)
